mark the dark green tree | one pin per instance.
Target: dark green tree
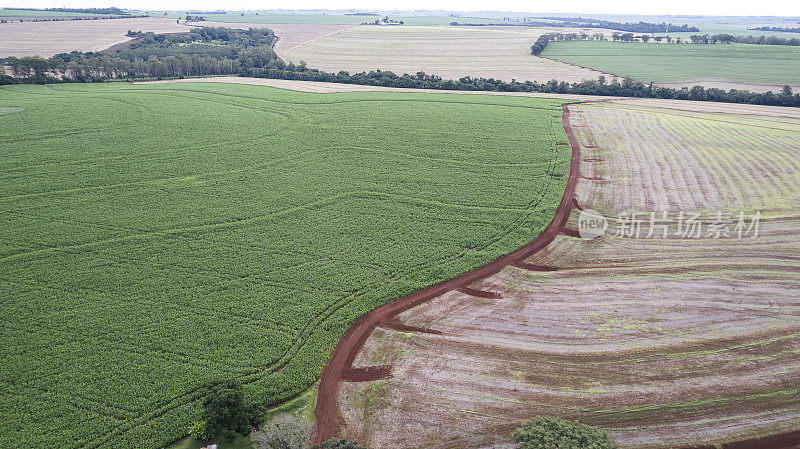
(544, 432)
(225, 411)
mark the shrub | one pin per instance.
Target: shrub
(283, 432)
(545, 432)
(198, 431)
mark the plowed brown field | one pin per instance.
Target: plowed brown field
(664, 341)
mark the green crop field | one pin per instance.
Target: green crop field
(774, 64)
(157, 236)
(26, 14)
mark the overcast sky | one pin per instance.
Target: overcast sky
(658, 7)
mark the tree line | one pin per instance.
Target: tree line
(200, 52)
(543, 40)
(722, 38)
(223, 51)
(627, 87)
(756, 40)
(641, 27)
(633, 27)
(779, 29)
(541, 43)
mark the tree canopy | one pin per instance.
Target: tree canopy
(225, 411)
(544, 432)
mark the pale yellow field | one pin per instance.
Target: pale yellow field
(449, 52)
(49, 38)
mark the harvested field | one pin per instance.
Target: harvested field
(449, 52)
(49, 38)
(664, 341)
(158, 236)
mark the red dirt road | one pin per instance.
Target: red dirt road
(329, 422)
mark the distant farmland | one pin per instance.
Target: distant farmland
(449, 52)
(331, 19)
(49, 38)
(154, 237)
(25, 14)
(309, 19)
(771, 64)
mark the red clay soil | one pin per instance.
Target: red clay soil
(367, 373)
(571, 232)
(329, 422)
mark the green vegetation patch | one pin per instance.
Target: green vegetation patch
(155, 237)
(776, 64)
(28, 14)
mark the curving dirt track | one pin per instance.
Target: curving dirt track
(329, 421)
(666, 343)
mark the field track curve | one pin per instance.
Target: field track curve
(328, 422)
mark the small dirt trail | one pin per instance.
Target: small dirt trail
(329, 422)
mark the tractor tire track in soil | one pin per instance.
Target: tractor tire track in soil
(339, 366)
